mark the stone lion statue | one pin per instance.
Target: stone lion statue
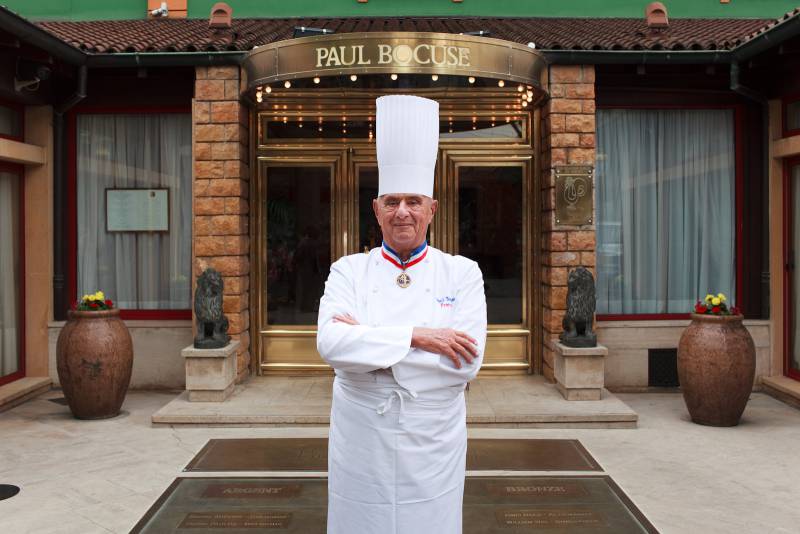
(580, 310)
(212, 325)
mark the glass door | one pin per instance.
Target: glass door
(11, 332)
(485, 217)
(299, 211)
(792, 274)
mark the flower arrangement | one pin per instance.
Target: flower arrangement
(94, 302)
(715, 305)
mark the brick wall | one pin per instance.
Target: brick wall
(568, 138)
(221, 235)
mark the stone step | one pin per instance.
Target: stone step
(18, 391)
(501, 402)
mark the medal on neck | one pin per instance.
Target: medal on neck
(403, 279)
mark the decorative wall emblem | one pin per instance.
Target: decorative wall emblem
(574, 198)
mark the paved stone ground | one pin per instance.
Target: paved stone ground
(86, 477)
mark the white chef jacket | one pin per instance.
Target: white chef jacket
(397, 447)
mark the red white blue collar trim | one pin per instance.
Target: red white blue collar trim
(417, 255)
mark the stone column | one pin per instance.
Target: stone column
(568, 138)
(220, 233)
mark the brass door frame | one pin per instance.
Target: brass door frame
(344, 157)
(505, 336)
(291, 337)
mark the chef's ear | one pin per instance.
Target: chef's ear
(376, 208)
(434, 206)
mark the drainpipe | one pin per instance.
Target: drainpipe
(60, 224)
(762, 101)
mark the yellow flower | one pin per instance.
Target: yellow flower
(99, 295)
(709, 297)
(716, 301)
(721, 297)
(85, 297)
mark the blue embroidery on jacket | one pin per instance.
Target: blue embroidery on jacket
(446, 302)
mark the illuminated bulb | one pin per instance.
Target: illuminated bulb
(319, 129)
(319, 119)
(353, 77)
(316, 79)
(287, 84)
(268, 89)
(530, 99)
(508, 119)
(529, 93)
(259, 94)
(393, 76)
(501, 83)
(344, 130)
(524, 103)
(471, 79)
(520, 88)
(434, 77)
(258, 98)
(285, 120)
(473, 126)
(451, 130)
(492, 125)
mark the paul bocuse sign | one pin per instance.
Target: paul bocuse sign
(393, 52)
(387, 54)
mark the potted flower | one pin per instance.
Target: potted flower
(94, 356)
(716, 363)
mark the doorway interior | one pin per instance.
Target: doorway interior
(312, 203)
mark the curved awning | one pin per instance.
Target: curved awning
(393, 52)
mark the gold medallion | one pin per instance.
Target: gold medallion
(403, 280)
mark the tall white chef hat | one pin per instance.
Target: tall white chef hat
(407, 141)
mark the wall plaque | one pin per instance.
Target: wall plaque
(137, 210)
(574, 197)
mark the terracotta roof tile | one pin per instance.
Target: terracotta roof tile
(192, 35)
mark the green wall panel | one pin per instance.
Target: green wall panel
(136, 9)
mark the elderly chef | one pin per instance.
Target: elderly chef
(404, 326)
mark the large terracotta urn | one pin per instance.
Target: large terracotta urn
(94, 356)
(716, 367)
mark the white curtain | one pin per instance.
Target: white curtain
(137, 270)
(9, 273)
(665, 209)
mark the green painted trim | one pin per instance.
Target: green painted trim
(136, 9)
(78, 9)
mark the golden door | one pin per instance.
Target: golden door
(312, 203)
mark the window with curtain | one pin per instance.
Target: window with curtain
(665, 203)
(138, 270)
(9, 274)
(10, 122)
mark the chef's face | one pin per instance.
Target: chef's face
(404, 219)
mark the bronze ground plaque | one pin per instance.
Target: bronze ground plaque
(311, 454)
(502, 505)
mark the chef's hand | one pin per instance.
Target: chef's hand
(447, 342)
(345, 318)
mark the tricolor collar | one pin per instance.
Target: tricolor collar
(417, 255)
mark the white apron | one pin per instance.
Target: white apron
(398, 439)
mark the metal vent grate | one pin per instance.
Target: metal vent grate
(662, 368)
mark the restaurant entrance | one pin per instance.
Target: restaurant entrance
(317, 175)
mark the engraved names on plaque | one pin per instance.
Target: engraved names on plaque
(550, 518)
(233, 520)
